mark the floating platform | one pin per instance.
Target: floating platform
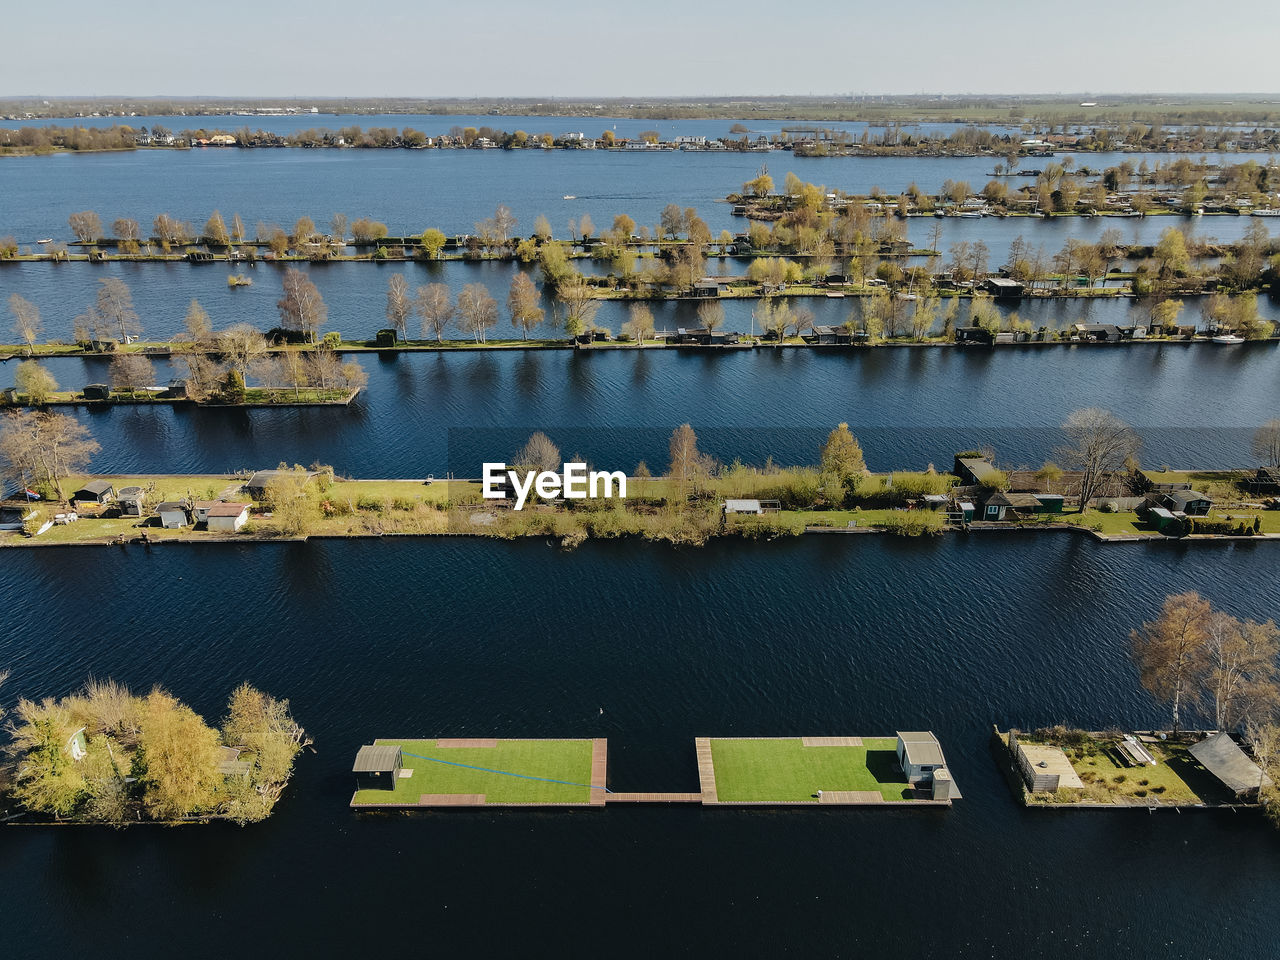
(414, 774)
(762, 771)
(819, 771)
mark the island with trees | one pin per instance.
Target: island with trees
(819, 245)
(1205, 665)
(106, 755)
(1095, 485)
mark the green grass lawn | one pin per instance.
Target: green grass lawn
(786, 770)
(1177, 777)
(568, 760)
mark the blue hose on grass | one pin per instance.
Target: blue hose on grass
(522, 776)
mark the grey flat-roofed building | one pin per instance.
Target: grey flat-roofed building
(920, 754)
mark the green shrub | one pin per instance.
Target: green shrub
(914, 523)
(373, 504)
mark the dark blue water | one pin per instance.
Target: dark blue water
(1195, 405)
(453, 189)
(467, 638)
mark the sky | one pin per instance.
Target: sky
(552, 48)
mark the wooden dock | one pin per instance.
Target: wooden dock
(599, 771)
(654, 798)
(706, 770)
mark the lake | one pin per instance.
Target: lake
(452, 190)
(1195, 405)
(649, 647)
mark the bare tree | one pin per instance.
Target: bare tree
(85, 226)
(524, 304)
(241, 345)
(504, 222)
(115, 308)
(199, 326)
(27, 323)
(399, 306)
(1241, 669)
(168, 230)
(126, 231)
(639, 326)
(302, 308)
(1266, 441)
(1099, 443)
(129, 371)
(538, 453)
(203, 374)
(44, 447)
(577, 306)
(1169, 652)
(711, 315)
(434, 305)
(687, 464)
(477, 310)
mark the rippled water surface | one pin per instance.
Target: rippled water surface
(648, 647)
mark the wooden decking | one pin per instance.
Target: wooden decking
(599, 771)
(831, 741)
(451, 800)
(851, 796)
(706, 770)
(654, 798)
(478, 743)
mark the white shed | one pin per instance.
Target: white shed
(173, 515)
(227, 517)
(743, 506)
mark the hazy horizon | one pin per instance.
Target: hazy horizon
(295, 50)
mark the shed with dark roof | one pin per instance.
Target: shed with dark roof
(377, 767)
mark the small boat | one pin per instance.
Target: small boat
(45, 240)
(1228, 338)
(569, 196)
(1266, 213)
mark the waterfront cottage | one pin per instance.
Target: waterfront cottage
(997, 506)
(226, 517)
(95, 491)
(1044, 768)
(920, 756)
(131, 501)
(1003, 288)
(377, 767)
(173, 514)
(1189, 502)
(976, 471)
